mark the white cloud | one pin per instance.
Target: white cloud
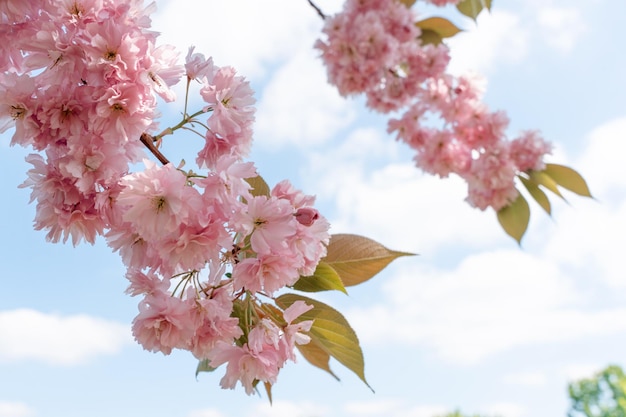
(290, 409)
(15, 409)
(561, 27)
(491, 302)
(299, 107)
(527, 378)
(498, 37)
(505, 409)
(27, 334)
(381, 407)
(591, 233)
(602, 162)
(578, 371)
(247, 34)
(209, 412)
(396, 202)
(393, 407)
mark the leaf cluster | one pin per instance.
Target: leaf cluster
(350, 260)
(515, 217)
(603, 395)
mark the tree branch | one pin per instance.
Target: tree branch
(148, 140)
(317, 9)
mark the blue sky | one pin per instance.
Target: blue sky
(474, 322)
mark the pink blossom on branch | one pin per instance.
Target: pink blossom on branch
(373, 47)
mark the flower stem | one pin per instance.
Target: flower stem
(186, 119)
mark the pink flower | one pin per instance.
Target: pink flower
(270, 222)
(157, 200)
(216, 324)
(61, 208)
(141, 283)
(197, 66)
(245, 365)
(231, 99)
(164, 322)
(528, 150)
(286, 190)
(491, 180)
(161, 70)
(267, 273)
(294, 333)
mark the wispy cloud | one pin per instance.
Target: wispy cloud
(561, 27)
(298, 107)
(27, 334)
(498, 37)
(16, 409)
(244, 34)
(527, 378)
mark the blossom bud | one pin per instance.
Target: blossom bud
(307, 215)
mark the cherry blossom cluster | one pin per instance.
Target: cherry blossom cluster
(204, 252)
(207, 251)
(80, 86)
(373, 47)
(222, 250)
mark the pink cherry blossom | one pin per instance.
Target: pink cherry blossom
(197, 66)
(164, 322)
(270, 222)
(246, 366)
(157, 200)
(528, 150)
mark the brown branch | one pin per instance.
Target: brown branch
(317, 9)
(148, 140)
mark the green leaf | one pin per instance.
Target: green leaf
(430, 37)
(568, 178)
(408, 3)
(324, 278)
(357, 259)
(259, 186)
(203, 366)
(514, 218)
(541, 178)
(331, 333)
(537, 193)
(316, 356)
(443, 27)
(472, 8)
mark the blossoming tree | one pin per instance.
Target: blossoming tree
(213, 251)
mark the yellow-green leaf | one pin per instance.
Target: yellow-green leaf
(408, 3)
(568, 178)
(541, 178)
(259, 186)
(268, 389)
(472, 8)
(203, 366)
(331, 332)
(430, 37)
(357, 258)
(324, 278)
(537, 193)
(443, 27)
(316, 356)
(514, 218)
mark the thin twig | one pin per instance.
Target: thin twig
(317, 9)
(148, 140)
